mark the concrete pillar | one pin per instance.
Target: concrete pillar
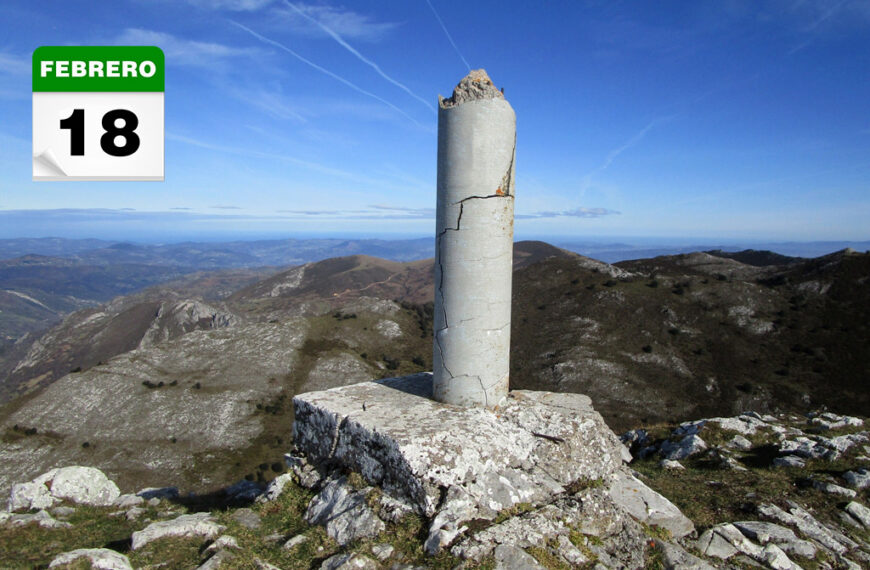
(474, 244)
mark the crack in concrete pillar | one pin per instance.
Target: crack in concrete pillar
(474, 244)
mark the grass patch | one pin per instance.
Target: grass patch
(547, 558)
(32, 546)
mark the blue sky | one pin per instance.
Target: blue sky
(734, 119)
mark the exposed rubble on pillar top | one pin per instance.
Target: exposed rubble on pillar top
(475, 86)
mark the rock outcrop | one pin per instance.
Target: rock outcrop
(548, 456)
(84, 485)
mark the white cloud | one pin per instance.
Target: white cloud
(580, 212)
(337, 37)
(322, 69)
(232, 5)
(344, 22)
(180, 51)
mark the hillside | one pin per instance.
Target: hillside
(681, 336)
(664, 339)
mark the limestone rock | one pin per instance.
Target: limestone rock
(740, 442)
(221, 559)
(223, 542)
(689, 428)
(62, 511)
(570, 553)
(158, 493)
(859, 478)
(860, 512)
(828, 420)
(32, 495)
(263, 565)
(393, 510)
(247, 518)
(674, 556)
(713, 544)
(197, 524)
(689, 445)
(344, 512)
(295, 541)
(785, 538)
(275, 487)
(592, 511)
(744, 424)
(352, 561)
(382, 551)
(305, 473)
(84, 485)
(809, 526)
(647, 506)
(101, 558)
(774, 557)
(42, 518)
(537, 443)
(832, 489)
(512, 558)
(789, 461)
(128, 500)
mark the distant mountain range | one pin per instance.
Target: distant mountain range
(195, 373)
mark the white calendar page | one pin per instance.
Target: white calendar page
(52, 145)
(98, 113)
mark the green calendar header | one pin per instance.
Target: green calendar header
(98, 68)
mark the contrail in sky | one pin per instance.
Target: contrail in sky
(264, 39)
(360, 56)
(627, 145)
(446, 33)
(611, 156)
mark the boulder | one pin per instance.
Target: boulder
(382, 551)
(419, 451)
(509, 557)
(85, 485)
(859, 512)
(42, 518)
(276, 487)
(832, 489)
(774, 557)
(32, 495)
(675, 556)
(789, 461)
(785, 538)
(859, 478)
(740, 442)
(197, 524)
(344, 512)
(295, 541)
(126, 501)
(352, 561)
(809, 526)
(647, 506)
(687, 446)
(247, 518)
(101, 558)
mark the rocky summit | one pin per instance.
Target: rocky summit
(381, 476)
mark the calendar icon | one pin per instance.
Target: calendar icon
(98, 113)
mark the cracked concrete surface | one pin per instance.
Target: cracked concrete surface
(473, 247)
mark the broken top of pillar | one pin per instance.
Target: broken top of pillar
(474, 86)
